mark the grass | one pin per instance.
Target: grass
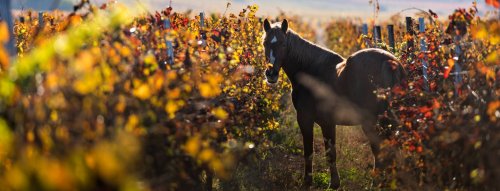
(279, 166)
(354, 158)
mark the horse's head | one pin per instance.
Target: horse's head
(275, 47)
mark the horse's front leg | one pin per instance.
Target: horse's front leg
(328, 129)
(306, 123)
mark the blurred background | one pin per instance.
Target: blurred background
(310, 9)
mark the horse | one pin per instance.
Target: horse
(353, 80)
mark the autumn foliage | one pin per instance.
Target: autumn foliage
(95, 101)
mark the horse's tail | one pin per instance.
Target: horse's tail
(392, 73)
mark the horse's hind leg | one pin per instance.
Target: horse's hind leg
(306, 124)
(328, 129)
(369, 128)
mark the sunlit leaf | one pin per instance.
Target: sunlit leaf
(220, 113)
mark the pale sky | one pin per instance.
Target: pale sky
(318, 9)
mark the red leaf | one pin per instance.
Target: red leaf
(494, 3)
(103, 6)
(424, 109)
(447, 71)
(411, 148)
(398, 90)
(435, 104)
(419, 149)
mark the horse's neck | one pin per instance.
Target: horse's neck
(306, 57)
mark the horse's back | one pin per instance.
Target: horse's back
(365, 71)
(379, 67)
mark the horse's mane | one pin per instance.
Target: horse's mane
(309, 54)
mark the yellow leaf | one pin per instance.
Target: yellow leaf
(491, 75)
(218, 167)
(206, 155)
(16, 178)
(121, 105)
(492, 58)
(51, 80)
(150, 60)
(88, 83)
(4, 32)
(474, 173)
(142, 92)
(482, 34)
(214, 80)
(132, 123)
(157, 81)
(220, 113)
(192, 146)
(84, 62)
(208, 91)
(174, 93)
(5, 139)
(173, 106)
(4, 59)
(451, 62)
(171, 76)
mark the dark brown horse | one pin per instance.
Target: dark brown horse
(354, 80)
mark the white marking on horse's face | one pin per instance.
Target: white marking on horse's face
(274, 40)
(272, 58)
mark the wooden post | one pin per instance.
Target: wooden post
(203, 34)
(170, 52)
(6, 15)
(364, 30)
(166, 23)
(378, 36)
(409, 30)
(170, 48)
(40, 20)
(423, 49)
(202, 20)
(390, 31)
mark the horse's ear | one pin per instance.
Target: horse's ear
(267, 25)
(284, 25)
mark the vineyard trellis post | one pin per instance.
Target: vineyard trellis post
(378, 36)
(40, 20)
(202, 20)
(203, 34)
(390, 31)
(170, 48)
(364, 30)
(6, 15)
(423, 50)
(409, 30)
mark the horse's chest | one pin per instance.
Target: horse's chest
(303, 98)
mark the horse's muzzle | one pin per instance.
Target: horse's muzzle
(272, 75)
